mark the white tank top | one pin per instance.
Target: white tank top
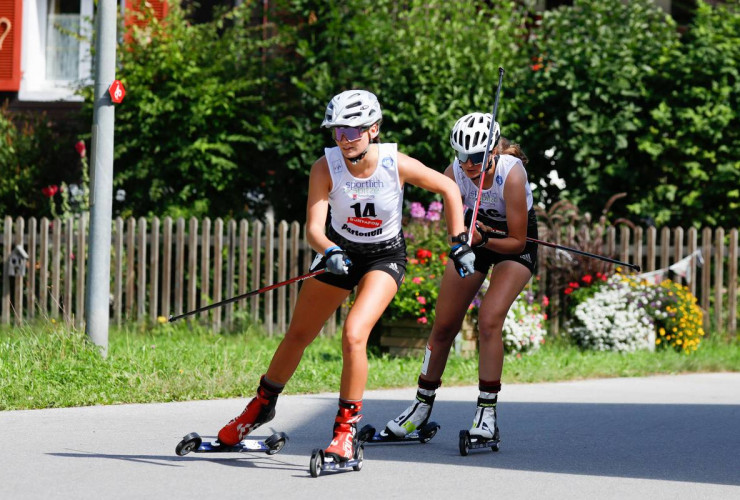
(366, 210)
(492, 203)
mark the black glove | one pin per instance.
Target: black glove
(464, 259)
(337, 261)
(483, 235)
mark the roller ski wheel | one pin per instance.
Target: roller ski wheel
(316, 465)
(194, 443)
(468, 442)
(190, 442)
(321, 462)
(423, 434)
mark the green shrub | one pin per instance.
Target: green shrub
(34, 153)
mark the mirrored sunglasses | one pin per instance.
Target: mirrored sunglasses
(351, 134)
(476, 158)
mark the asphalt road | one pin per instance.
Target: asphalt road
(669, 437)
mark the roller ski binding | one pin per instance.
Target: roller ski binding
(194, 443)
(484, 433)
(423, 434)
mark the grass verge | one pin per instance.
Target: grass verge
(48, 366)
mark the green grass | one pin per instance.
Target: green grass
(46, 366)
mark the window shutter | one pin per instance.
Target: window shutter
(159, 8)
(11, 13)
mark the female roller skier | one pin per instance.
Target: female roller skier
(506, 205)
(361, 180)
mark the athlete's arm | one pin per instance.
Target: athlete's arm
(317, 208)
(414, 172)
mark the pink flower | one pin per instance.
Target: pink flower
(416, 280)
(422, 320)
(435, 206)
(417, 210)
(421, 300)
(80, 148)
(433, 215)
(545, 300)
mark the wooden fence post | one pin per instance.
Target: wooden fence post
(719, 255)
(167, 267)
(154, 270)
(43, 302)
(218, 257)
(256, 267)
(732, 283)
(230, 272)
(205, 268)
(118, 279)
(32, 262)
(20, 228)
(192, 273)
(269, 280)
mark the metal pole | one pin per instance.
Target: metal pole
(101, 179)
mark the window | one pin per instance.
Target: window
(56, 49)
(62, 40)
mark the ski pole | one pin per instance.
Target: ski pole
(248, 294)
(496, 233)
(486, 153)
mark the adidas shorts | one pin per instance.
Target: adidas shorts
(389, 257)
(484, 258)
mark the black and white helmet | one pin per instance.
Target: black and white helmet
(470, 133)
(352, 108)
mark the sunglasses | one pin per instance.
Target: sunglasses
(351, 134)
(476, 158)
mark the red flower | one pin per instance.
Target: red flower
(80, 148)
(423, 253)
(536, 67)
(573, 284)
(587, 279)
(50, 191)
(568, 291)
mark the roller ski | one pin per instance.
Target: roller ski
(259, 411)
(423, 434)
(347, 448)
(194, 443)
(484, 433)
(411, 425)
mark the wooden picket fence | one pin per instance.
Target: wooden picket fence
(168, 267)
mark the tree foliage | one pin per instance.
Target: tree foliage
(189, 134)
(223, 118)
(618, 100)
(34, 153)
(693, 137)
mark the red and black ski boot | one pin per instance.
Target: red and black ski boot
(260, 410)
(342, 447)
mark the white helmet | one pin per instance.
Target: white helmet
(470, 133)
(352, 108)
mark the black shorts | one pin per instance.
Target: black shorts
(388, 256)
(485, 258)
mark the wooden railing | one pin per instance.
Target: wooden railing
(167, 267)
